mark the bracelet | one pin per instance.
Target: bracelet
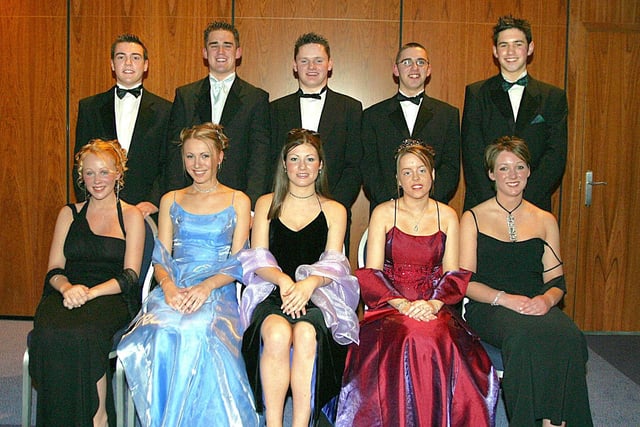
(495, 300)
(163, 279)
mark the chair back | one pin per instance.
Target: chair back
(146, 270)
(362, 248)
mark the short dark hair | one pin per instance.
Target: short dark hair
(508, 21)
(128, 38)
(408, 46)
(221, 25)
(309, 38)
(512, 144)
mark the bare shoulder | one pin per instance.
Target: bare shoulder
(263, 204)
(384, 211)
(447, 212)
(131, 213)
(240, 199)
(333, 209)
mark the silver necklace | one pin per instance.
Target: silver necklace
(302, 197)
(511, 221)
(416, 227)
(207, 190)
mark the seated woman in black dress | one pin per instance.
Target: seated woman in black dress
(300, 299)
(94, 262)
(513, 249)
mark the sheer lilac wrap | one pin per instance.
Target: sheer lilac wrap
(337, 300)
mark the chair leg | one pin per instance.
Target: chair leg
(26, 391)
(131, 409)
(119, 391)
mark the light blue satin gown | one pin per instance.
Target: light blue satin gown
(187, 369)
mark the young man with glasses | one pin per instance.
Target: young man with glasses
(410, 114)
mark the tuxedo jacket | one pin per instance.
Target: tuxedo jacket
(542, 123)
(245, 120)
(339, 129)
(384, 128)
(147, 153)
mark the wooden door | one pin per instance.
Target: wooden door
(603, 252)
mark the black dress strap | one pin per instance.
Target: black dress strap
(475, 220)
(121, 218)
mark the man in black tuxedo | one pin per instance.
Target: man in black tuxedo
(336, 117)
(515, 104)
(223, 98)
(410, 114)
(136, 118)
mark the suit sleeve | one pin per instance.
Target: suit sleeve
(478, 186)
(370, 166)
(259, 134)
(157, 190)
(174, 176)
(546, 177)
(448, 169)
(347, 188)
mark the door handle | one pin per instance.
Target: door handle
(589, 183)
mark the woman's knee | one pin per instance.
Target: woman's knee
(304, 337)
(276, 332)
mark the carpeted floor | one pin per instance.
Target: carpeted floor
(613, 376)
(620, 350)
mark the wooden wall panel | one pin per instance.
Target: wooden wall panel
(32, 146)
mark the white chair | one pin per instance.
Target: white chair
(146, 277)
(362, 248)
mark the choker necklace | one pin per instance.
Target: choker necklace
(302, 197)
(208, 190)
(511, 221)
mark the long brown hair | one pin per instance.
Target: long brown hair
(295, 138)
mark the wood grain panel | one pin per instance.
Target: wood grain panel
(32, 147)
(336, 10)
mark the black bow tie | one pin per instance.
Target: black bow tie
(522, 81)
(312, 95)
(121, 92)
(415, 99)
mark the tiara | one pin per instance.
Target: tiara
(409, 142)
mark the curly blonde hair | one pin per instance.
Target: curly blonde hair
(103, 149)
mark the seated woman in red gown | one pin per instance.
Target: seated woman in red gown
(417, 364)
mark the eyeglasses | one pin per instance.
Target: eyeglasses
(408, 62)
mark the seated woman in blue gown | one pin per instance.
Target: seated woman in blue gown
(300, 300)
(90, 293)
(513, 249)
(182, 356)
(417, 364)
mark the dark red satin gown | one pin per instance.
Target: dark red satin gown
(411, 373)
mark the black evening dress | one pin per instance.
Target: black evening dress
(291, 249)
(69, 349)
(544, 356)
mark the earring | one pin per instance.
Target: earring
(219, 166)
(118, 191)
